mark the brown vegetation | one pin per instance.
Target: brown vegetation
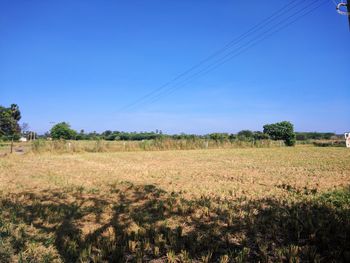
(236, 205)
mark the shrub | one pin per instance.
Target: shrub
(260, 136)
(329, 143)
(219, 137)
(245, 135)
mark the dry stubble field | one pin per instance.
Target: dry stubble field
(223, 205)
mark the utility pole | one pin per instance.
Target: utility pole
(348, 8)
(340, 9)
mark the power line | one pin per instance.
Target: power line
(231, 43)
(211, 68)
(231, 56)
(160, 92)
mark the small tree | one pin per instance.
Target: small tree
(9, 117)
(62, 130)
(281, 131)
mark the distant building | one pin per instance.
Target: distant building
(347, 138)
(23, 139)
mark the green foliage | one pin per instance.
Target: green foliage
(258, 135)
(219, 137)
(110, 135)
(330, 143)
(134, 136)
(62, 130)
(245, 135)
(9, 127)
(281, 131)
(338, 198)
(278, 131)
(303, 136)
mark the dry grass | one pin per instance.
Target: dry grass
(223, 205)
(255, 173)
(62, 146)
(163, 144)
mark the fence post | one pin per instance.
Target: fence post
(11, 147)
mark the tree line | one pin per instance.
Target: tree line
(276, 131)
(11, 130)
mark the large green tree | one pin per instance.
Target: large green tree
(63, 130)
(281, 131)
(9, 118)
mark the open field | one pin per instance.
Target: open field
(217, 205)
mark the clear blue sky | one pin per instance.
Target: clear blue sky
(82, 61)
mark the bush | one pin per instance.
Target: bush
(329, 144)
(245, 135)
(260, 136)
(302, 136)
(219, 137)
